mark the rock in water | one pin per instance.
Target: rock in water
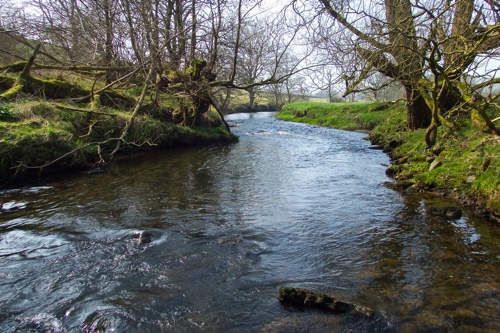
(145, 237)
(452, 212)
(307, 298)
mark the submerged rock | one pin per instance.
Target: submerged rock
(310, 299)
(452, 212)
(399, 185)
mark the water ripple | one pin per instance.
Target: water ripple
(200, 239)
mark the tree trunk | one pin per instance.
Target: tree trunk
(419, 115)
(201, 106)
(449, 98)
(251, 94)
(185, 113)
(108, 46)
(26, 73)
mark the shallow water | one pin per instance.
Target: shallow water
(200, 239)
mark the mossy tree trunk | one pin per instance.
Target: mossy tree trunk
(57, 89)
(201, 97)
(202, 105)
(25, 74)
(418, 115)
(24, 80)
(192, 88)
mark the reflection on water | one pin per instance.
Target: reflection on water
(200, 239)
(441, 272)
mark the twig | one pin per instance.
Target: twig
(134, 113)
(91, 126)
(112, 83)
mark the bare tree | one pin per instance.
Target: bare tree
(195, 47)
(327, 80)
(379, 87)
(235, 59)
(255, 55)
(292, 88)
(412, 42)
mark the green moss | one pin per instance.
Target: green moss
(34, 144)
(12, 92)
(196, 67)
(15, 67)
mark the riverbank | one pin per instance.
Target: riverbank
(41, 137)
(463, 165)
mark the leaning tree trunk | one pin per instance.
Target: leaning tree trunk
(202, 105)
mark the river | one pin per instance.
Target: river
(201, 239)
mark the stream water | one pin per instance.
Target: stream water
(201, 239)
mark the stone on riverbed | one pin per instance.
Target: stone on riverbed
(310, 299)
(452, 212)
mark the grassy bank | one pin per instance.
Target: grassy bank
(43, 137)
(464, 164)
(345, 116)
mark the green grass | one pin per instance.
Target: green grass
(38, 132)
(469, 158)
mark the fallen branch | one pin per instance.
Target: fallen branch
(134, 113)
(22, 166)
(83, 68)
(87, 111)
(112, 83)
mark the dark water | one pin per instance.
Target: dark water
(224, 227)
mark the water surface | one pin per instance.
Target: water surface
(224, 227)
